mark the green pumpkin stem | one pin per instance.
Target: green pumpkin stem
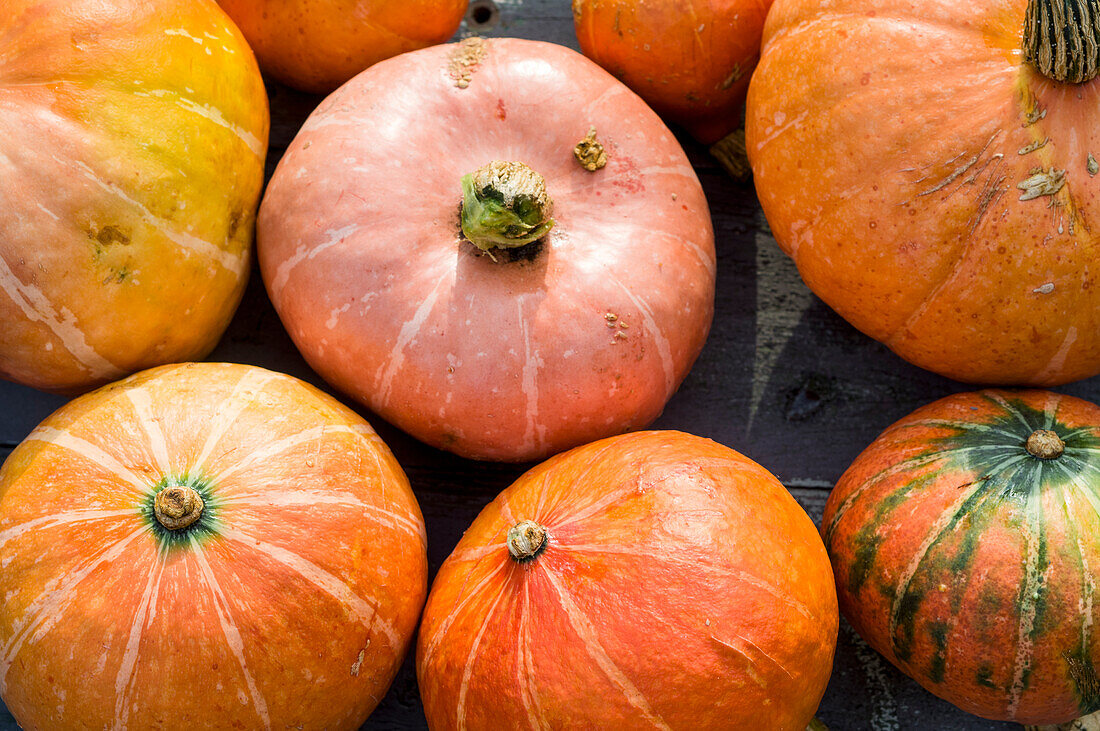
(177, 507)
(1062, 39)
(505, 205)
(526, 540)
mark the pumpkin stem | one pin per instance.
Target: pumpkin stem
(505, 205)
(1062, 39)
(526, 540)
(1045, 444)
(177, 507)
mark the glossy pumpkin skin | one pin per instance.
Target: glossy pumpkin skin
(970, 563)
(316, 45)
(691, 63)
(584, 334)
(888, 141)
(289, 604)
(681, 587)
(132, 144)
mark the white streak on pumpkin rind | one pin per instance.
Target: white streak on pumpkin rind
(306, 498)
(214, 115)
(454, 613)
(125, 678)
(37, 308)
(468, 668)
(55, 520)
(664, 348)
(92, 453)
(587, 633)
(306, 252)
(158, 445)
(48, 608)
(1024, 645)
(1088, 580)
(1058, 360)
(363, 611)
(311, 434)
(244, 393)
(228, 261)
(738, 643)
(525, 668)
(933, 535)
(409, 330)
(229, 630)
(534, 434)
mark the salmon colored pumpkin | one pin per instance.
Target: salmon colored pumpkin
(691, 62)
(935, 181)
(652, 580)
(494, 333)
(964, 542)
(132, 144)
(205, 546)
(316, 45)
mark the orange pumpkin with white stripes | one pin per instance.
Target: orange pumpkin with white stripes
(205, 546)
(132, 144)
(452, 264)
(651, 580)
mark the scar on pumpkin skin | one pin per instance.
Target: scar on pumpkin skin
(465, 59)
(1092, 166)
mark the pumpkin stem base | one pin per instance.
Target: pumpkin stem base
(1045, 444)
(526, 540)
(504, 205)
(177, 507)
(1062, 39)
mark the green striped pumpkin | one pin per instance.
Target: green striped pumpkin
(965, 542)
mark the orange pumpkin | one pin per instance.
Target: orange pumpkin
(132, 144)
(652, 580)
(691, 64)
(205, 546)
(396, 264)
(316, 45)
(934, 182)
(964, 545)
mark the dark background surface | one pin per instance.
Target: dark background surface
(782, 379)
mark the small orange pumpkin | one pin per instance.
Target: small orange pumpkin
(205, 546)
(316, 45)
(650, 580)
(935, 184)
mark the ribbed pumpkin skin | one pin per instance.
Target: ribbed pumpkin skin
(316, 45)
(691, 63)
(969, 563)
(888, 140)
(289, 605)
(132, 144)
(682, 587)
(363, 256)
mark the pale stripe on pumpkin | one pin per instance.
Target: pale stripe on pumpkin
(306, 498)
(664, 349)
(92, 453)
(37, 308)
(363, 611)
(587, 633)
(471, 594)
(47, 609)
(468, 669)
(307, 435)
(124, 681)
(228, 261)
(533, 433)
(46, 522)
(250, 385)
(305, 251)
(229, 629)
(525, 668)
(409, 331)
(154, 437)
(1032, 528)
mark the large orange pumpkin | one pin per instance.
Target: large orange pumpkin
(964, 542)
(934, 179)
(651, 580)
(477, 331)
(316, 45)
(691, 63)
(132, 144)
(205, 546)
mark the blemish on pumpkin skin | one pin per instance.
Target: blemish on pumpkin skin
(465, 59)
(502, 113)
